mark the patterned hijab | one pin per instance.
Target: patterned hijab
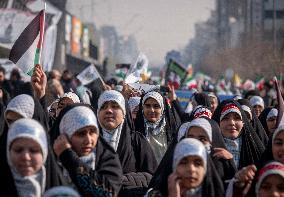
(33, 185)
(22, 104)
(198, 122)
(75, 119)
(112, 136)
(155, 128)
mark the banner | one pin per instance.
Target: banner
(88, 75)
(175, 74)
(76, 36)
(144, 88)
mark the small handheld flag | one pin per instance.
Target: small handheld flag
(26, 51)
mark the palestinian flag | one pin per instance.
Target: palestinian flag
(26, 51)
(175, 74)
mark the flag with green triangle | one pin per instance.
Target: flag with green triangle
(26, 51)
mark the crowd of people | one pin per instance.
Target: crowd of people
(61, 138)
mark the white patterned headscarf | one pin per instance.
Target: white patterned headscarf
(189, 147)
(22, 104)
(133, 102)
(33, 185)
(183, 130)
(154, 95)
(74, 97)
(272, 113)
(112, 136)
(112, 95)
(155, 128)
(198, 122)
(78, 118)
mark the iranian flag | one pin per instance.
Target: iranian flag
(26, 51)
(190, 83)
(260, 83)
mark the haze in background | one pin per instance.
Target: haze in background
(158, 25)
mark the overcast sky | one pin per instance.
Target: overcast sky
(158, 25)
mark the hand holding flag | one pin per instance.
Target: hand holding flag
(39, 81)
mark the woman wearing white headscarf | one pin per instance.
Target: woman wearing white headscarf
(27, 151)
(266, 181)
(90, 162)
(192, 174)
(208, 133)
(135, 154)
(21, 107)
(156, 122)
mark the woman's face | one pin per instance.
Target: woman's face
(152, 110)
(278, 147)
(271, 124)
(26, 156)
(272, 185)
(213, 103)
(191, 172)
(110, 115)
(84, 140)
(199, 134)
(12, 117)
(231, 125)
(257, 109)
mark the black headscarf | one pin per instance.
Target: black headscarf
(255, 122)
(252, 147)
(225, 168)
(262, 118)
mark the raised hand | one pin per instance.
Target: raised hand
(39, 81)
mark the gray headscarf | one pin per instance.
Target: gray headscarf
(112, 136)
(34, 185)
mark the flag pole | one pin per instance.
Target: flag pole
(101, 79)
(42, 24)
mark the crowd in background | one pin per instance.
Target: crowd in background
(61, 138)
